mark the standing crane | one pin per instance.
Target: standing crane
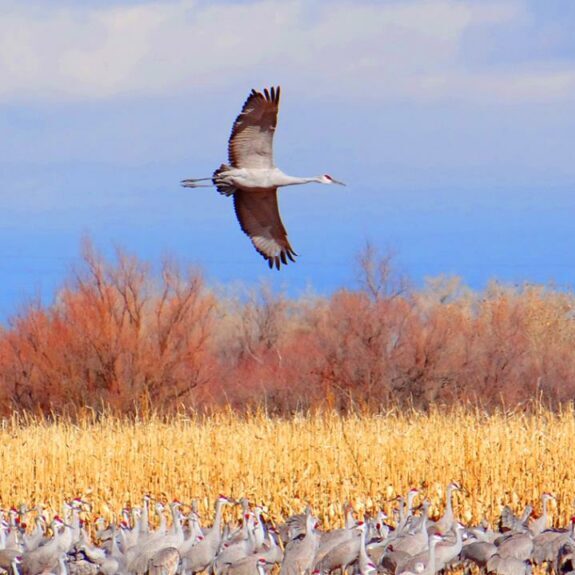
(252, 178)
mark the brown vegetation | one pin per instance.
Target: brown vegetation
(117, 336)
(503, 458)
(111, 338)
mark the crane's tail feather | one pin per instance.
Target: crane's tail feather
(223, 187)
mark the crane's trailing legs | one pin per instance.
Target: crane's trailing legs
(193, 183)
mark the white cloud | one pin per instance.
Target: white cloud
(408, 49)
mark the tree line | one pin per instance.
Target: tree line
(117, 336)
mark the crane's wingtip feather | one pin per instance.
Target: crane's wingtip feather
(277, 261)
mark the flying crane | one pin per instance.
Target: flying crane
(252, 178)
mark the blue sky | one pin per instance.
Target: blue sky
(452, 122)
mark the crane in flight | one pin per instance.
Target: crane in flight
(253, 180)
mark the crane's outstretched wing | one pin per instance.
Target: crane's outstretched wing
(251, 142)
(259, 218)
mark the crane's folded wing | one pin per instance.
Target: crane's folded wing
(259, 218)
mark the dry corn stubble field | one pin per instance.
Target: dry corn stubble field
(324, 460)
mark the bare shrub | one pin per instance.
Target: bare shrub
(117, 337)
(112, 337)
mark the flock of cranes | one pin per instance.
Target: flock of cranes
(252, 178)
(415, 545)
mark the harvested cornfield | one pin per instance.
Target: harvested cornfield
(323, 459)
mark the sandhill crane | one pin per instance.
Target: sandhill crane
(422, 566)
(407, 514)
(35, 538)
(270, 551)
(444, 523)
(9, 558)
(518, 545)
(106, 564)
(173, 537)
(507, 566)
(252, 178)
(162, 527)
(233, 551)
(348, 514)
(194, 534)
(565, 559)
(144, 523)
(537, 526)
(332, 539)
(508, 521)
(378, 528)
(250, 565)
(294, 527)
(391, 561)
(343, 554)
(201, 555)
(364, 562)
(148, 553)
(8, 539)
(164, 562)
(415, 523)
(479, 552)
(447, 552)
(299, 554)
(241, 533)
(482, 532)
(547, 544)
(412, 543)
(46, 556)
(10, 536)
(259, 529)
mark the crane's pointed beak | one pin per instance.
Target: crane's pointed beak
(337, 182)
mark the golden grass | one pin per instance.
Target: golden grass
(324, 460)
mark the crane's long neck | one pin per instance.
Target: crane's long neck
(195, 527)
(176, 523)
(410, 497)
(145, 517)
(526, 513)
(285, 180)
(424, 512)
(431, 556)
(163, 521)
(363, 557)
(217, 525)
(448, 505)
